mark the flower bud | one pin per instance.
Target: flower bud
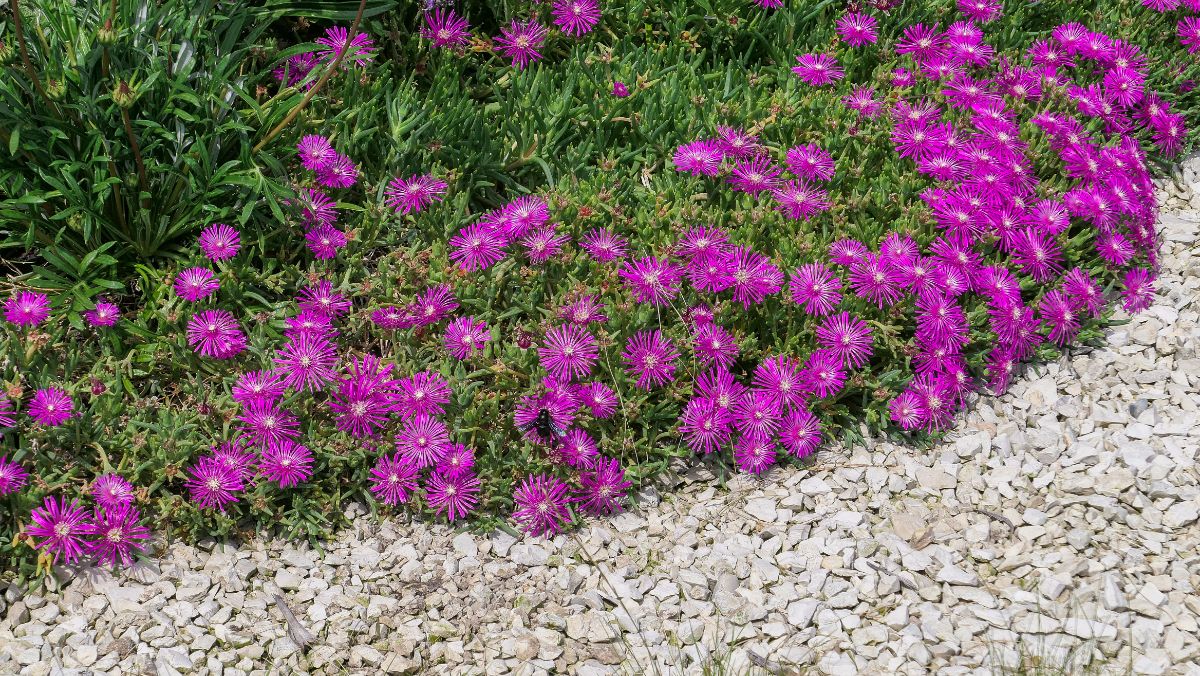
(56, 89)
(124, 95)
(107, 35)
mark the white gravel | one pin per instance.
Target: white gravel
(1058, 527)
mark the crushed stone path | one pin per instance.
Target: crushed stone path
(1057, 527)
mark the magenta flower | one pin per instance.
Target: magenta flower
(13, 477)
(412, 195)
(1189, 33)
(264, 424)
(603, 488)
(104, 314)
(7, 415)
(541, 505)
(457, 461)
(118, 532)
(848, 252)
(340, 172)
(63, 529)
(824, 373)
(754, 277)
(862, 98)
(816, 288)
(212, 484)
(311, 323)
(219, 242)
(584, 310)
(464, 336)
(316, 209)
(769, 4)
(233, 456)
(754, 455)
(262, 386)
(756, 414)
(337, 40)
(424, 439)
(714, 345)
(982, 11)
(619, 89)
(112, 490)
(569, 352)
(737, 143)
(561, 409)
(425, 393)
(296, 68)
(455, 495)
(799, 200)
(433, 304)
(780, 378)
(800, 433)
(599, 398)
(477, 247)
(705, 425)
(651, 357)
(544, 243)
(576, 17)
(366, 398)
(315, 151)
(754, 175)
(27, 308)
(699, 158)
(908, 410)
(1083, 291)
(394, 479)
(520, 42)
(702, 241)
(446, 29)
(604, 245)
(195, 284)
(1037, 255)
(1138, 293)
(286, 462)
(847, 338)
(576, 449)
(321, 297)
(652, 280)
(858, 29)
(1058, 313)
(875, 280)
(324, 241)
(723, 389)
(307, 362)
(51, 407)
(810, 161)
(818, 69)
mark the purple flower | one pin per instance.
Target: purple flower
(754, 175)
(857, 29)
(1037, 255)
(982, 11)
(816, 288)
(446, 29)
(13, 477)
(1057, 312)
(520, 42)
(51, 407)
(737, 143)
(366, 398)
(263, 386)
(569, 352)
(337, 40)
(7, 416)
(296, 68)
(875, 280)
(846, 337)
(316, 209)
(705, 425)
(1138, 293)
(118, 532)
(219, 242)
(317, 324)
(286, 462)
(824, 373)
(1189, 33)
(27, 308)
(62, 527)
(800, 433)
(457, 461)
(715, 345)
(599, 398)
(756, 414)
(908, 410)
(603, 488)
(1083, 291)
(699, 158)
(393, 479)
(651, 357)
(315, 152)
(561, 409)
(938, 399)
(541, 505)
(754, 455)
(576, 449)
(434, 304)
(722, 388)
(424, 439)
(576, 17)
(619, 89)
(455, 495)
(234, 456)
(810, 162)
(324, 241)
(818, 69)
(104, 314)
(425, 393)
(754, 277)
(604, 245)
(340, 172)
(544, 243)
(477, 247)
(213, 484)
(112, 490)
(412, 195)
(847, 252)
(652, 280)
(264, 424)
(799, 200)
(194, 284)
(702, 241)
(321, 297)
(307, 362)
(584, 310)
(780, 378)
(464, 336)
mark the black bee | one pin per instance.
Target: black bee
(545, 427)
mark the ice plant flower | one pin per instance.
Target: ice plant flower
(1189, 33)
(264, 424)
(414, 194)
(652, 280)
(858, 29)
(520, 42)
(394, 479)
(62, 528)
(337, 41)
(754, 455)
(699, 158)
(264, 386)
(27, 308)
(847, 338)
(454, 495)
(477, 247)
(576, 17)
(544, 243)
(816, 288)
(116, 532)
(458, 460)
(212, 484)
(603, 488)
(7, 416)
(818, 69)
(365, 398)
(340, 172)
(103, 315)
(13, 477)
(715, 345)
(799, 200)
(604, 245)
(324, 241)
(465, 336)
(445, 29)
(540, 505)
(705, 425)
(424, 439)
(811, 162)
(650, 357)
(321, 297)
(569, 352)
(307, 362)
(51, 407)
(754, 175)
(780, 378)
(619, 89)
(800, 433)
(286, 462)
(315, 151)
(219, 242)
(1138, 293)
(112, 490)
(599, 398)
(425, 392)
(193, 284)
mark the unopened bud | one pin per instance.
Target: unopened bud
(124, 95)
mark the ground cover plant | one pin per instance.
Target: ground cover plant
(497, 264)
